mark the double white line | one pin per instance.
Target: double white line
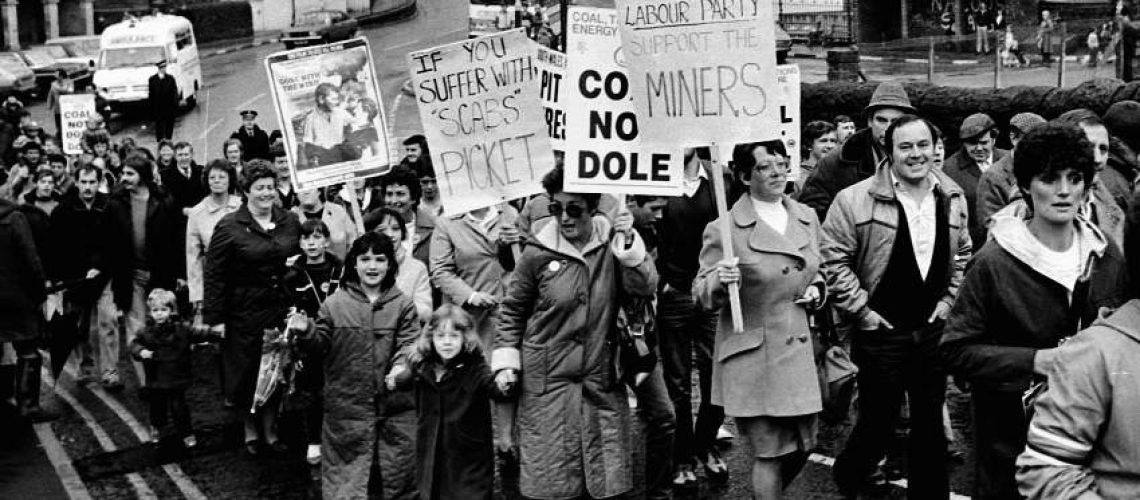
(74, 486)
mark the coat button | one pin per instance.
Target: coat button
(799, 267)
(790, 340)
(804, 338)
(787, 270)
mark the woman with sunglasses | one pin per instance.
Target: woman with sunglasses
(554, 323)
(766, 376)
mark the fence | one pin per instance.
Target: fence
(818, 22)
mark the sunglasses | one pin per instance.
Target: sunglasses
(571, 210)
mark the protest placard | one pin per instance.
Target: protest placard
(481, 113)
(329, 104)
(551, 66)
(604, 150)
(701, 71)
(74, 110)
(787, 100)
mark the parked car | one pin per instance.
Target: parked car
(783, 45)
(16, 78)
(320, 26)
(46, 67)
(76, 49)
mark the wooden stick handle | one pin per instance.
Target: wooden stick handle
(726, 237)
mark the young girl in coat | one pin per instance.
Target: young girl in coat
(163, 347)
(454, 453)
(360, 332)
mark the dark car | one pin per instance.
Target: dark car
(320, 26)
(783, 45)
(46, 67)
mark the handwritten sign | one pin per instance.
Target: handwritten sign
(605, 152)
(786, 97)
(74, 110)
(700, 70)
(551, 72)
(481, 113)
(330, 107)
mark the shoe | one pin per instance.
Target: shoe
(278, 446)
(155, 435)
(87, 375)
(716, 470)
(112, 384)
(253, 447)
(190, 441)
(684, 478)
(313, 454)
(28, 389)
(724, 434)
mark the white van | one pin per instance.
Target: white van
(129, 50)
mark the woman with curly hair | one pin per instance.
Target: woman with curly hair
(819, 139)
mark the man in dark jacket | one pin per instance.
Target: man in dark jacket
(254, 140)
(162, 95)
(22, 280)
(79, 227)
(978, 154)
(862, 152)
(142, 243)
(184, 183)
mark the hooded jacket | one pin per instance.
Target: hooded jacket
(1007, 309)
(845, 166)
(1083, 441)
(555, 327)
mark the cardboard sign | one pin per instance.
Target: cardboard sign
(701, 71)
(329, 103)
(787, 98)
(479, 104)
(551, 69)
(74, 110)
(604, 150)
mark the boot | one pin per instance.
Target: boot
(28, 389)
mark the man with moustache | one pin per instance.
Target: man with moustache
(79, 227)
(324, 127)
(895, 247)
(183, 181)
(977, 156)
(142, 245)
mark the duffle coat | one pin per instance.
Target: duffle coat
(769, 369)
(554, 326)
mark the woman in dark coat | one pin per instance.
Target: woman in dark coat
(243, 293)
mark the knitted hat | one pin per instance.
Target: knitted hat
(1123, 121)
(889, 95)
(975, 125)
(1024, 122)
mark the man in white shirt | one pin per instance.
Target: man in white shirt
(978, 134)
(895, 254)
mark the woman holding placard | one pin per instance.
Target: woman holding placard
(766, 375)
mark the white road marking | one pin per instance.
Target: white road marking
(174, 471)
(422, 40)
(245, 104)
(827, 461)
(101, 436)
(391, 117)
(72, 484)
(213, 126)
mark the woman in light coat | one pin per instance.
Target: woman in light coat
(221, 179)
(765, 376)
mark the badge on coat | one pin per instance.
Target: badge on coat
(554, 266)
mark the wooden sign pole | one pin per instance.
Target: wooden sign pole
(726, 236)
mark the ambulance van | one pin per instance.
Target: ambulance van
(129, 50)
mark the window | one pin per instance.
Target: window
(131, 57)
(183, 39)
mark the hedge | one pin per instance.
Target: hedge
(218, 21)
(948, 106)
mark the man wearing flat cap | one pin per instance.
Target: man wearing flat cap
(860, 155)
(254, 140)
(977, 156)
(162, 95)
(997, 186)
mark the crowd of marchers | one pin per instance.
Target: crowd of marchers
(493, 344)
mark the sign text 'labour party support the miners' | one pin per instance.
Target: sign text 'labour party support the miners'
(604, 151)
(480, 108)
(701, 71)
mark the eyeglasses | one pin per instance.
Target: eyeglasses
(776, 166)
(571, 210)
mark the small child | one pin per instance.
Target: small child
(309, 281)
(163, 347)
(454, 384)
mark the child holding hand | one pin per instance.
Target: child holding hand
(163, 347)
(454, 385)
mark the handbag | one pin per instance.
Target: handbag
(631, 353)
(834, 367)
